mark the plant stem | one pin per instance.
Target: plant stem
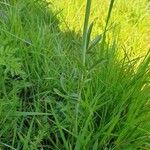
(85, 31)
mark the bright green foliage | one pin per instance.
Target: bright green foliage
(61, 89)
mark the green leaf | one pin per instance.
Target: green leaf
(100, 61)
(60, 93)
(85, 30)
(94, 42)
(95, 146)
(89, 34)
(31, 114)
(62, 83)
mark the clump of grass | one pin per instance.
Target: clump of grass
(58, 94)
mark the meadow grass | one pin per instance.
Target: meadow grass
(69, 78)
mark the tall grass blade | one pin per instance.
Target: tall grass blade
(85, 31)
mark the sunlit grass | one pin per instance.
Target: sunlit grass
(130, 21)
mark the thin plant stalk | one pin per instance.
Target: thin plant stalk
(107, 21)
(85, 31)
(84, 50)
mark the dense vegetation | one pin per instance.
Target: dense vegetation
(62, 87)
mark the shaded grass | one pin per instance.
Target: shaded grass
(43, 105)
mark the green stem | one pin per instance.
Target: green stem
(84, 49)
(85, 31)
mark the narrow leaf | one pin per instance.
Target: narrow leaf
(89, 34)
(95, 146)
(85, 30)
(60, 93)
(62, 83)
(100, 61)
(94, 42)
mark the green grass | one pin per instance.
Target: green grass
(74, 76)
